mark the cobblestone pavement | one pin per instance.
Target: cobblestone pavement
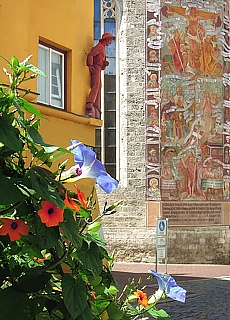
(207, 299)
(208, 289)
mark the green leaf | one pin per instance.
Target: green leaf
(46, 237)
(84, 213)
(19, 306)
(36, 138)
(102, 303)
(14, 62)
(113, 290)
(105, 255)
(45, 186)
(94, 226)
(91, 259)
(85, 315)
(108, 278)
(32, 282)
(62, 308)
(70, 229)
(94, 282)
(9, 191)
(99, 289)
(159, 314)
(9, 135)
(59, 154)
(36, 124)
(25, 61)
(32, 68)
(18, 107)
(113, 206)
(30, 108)
(74, 295)
(114, 313)
(95, 237)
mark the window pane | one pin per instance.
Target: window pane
(111, 68)
(56, 79)
(43, 82)
(110, 25)
(111, 49)
(110, 83)
(97, 31)
(111, 169)
(110, 155)
(110, 137)
(97, 10)
(98, 137)
(50, 88)
(110, 119)
(98, 152)
(110, 101)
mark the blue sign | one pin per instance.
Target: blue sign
(161, 225)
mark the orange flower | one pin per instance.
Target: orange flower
(71, 203)
(81, 197)
(93, 295)
(14, 228)
(142, 298)
(50, 214)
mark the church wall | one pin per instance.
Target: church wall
(130, 233)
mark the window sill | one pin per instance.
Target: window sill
(60, 114)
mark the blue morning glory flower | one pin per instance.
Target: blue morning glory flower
(169, 286)
(88, 166)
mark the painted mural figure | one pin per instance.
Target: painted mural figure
(207, 112)
(153, 56)
(194, 36)
(226, 190)
(208, 63)
(96, 61)
(190, 164)
(152, 83)
(153, 156)
(169, 126)
(175, 45)
(153, 189)
(152, 32)
(180, 126)
(175, 102)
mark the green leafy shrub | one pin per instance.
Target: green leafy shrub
(53, 262)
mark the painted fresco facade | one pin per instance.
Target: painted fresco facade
(187, 100)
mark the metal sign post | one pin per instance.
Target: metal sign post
(162, 241)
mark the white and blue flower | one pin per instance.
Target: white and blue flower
(168, 285)
(88, 166)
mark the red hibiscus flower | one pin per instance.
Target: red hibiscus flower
(50, 214)
(142, 298)
(81, 197)
(70, 203)
(14, 228)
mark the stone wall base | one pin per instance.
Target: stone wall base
(210, 245)
(207, 245)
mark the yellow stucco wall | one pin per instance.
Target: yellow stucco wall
(68, 25)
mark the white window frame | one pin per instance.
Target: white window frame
(60, 80)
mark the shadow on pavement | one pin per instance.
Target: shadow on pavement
(122, 279)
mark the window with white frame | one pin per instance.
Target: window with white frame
(51, 87)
